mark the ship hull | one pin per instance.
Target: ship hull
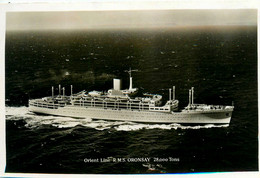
(185, 116)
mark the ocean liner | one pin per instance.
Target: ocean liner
(120, 105)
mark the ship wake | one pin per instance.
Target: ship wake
(35, 121)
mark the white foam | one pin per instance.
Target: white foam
(34, 121)
(18, 111)
(137, 126)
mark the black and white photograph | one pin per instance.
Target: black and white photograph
(152, 91)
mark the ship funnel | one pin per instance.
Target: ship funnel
(52, 92)
(170, 94)
(71, 90)
(173, 93)
(59, 89)
(117, 84)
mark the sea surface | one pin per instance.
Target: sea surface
(219, 62)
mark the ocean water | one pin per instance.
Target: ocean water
(219, 62)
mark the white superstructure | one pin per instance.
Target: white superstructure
(116, 104)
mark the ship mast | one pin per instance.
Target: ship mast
(130, 77)
(189, 98)
(192, 95)
(63, 91)
(59, 89)
(170, 94)
(173, 93)
(52, 92)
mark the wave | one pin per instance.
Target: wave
(34, 121)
